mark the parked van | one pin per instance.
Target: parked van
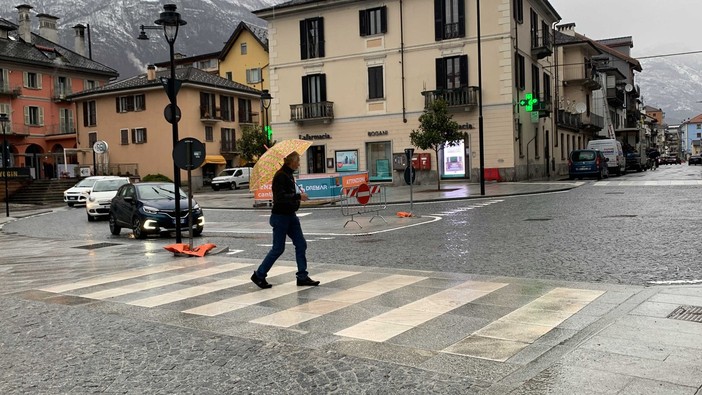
(612, 150)
(232, 178)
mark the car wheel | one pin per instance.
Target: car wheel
(571, 177)
(234, 186)
(197, 232)
(138, 231)
(215, 187)
(599, 175)
(90, 218)
(70, 204)
(114, 228)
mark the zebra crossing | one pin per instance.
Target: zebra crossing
(648, 183)
(467, 208)
(360, 304)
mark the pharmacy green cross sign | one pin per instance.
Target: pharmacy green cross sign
(528, 102)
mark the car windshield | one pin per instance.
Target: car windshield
(158, 192)
(227, 172)
(86, 183)
(108, 185)
(580, 156)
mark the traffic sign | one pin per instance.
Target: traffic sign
(189, 153)
(363, 194)
(170, 115)
(410, 175)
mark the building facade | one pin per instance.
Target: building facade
(129, 117)
(354, 77)
(36, 78)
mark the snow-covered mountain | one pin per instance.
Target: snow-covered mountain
(673, 84)
(114, 26)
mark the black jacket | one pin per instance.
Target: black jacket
(286, 197)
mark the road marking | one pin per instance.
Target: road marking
(232, 252)
(241, 301)
(336, 301)
(501, 339)
(656, 183)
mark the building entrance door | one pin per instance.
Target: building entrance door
(315, 159)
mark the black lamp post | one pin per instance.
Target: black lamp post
(170, 21)
(480, 107)
(5, 153)
(266, 104)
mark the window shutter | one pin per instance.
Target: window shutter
(26, 115)
(40, 111)
(69, 86)
(134, 140)
(85, 113)
(461, 19)
(323, 87)
(305, 89)
(39, 80)
(438, 20)
(70, 121)
(440, 74)
(463, 64)
(57, 86)
(144, 135)
(303, 40)
(25, 76)
(62, 118)
(384, 19)
(320, 33)
(362, 22)
(117, 99)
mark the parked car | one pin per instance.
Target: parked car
(587, 163)
(78, 194)
(612, 150)
(149, 208)
(100, 197)
(232, 178)
(695, 160)
(670, 160)
(636, 161)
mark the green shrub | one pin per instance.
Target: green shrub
(155, 177)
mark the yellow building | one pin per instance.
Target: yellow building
(354, 76)
(129, 116)
(244, 58)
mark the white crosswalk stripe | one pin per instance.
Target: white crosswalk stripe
(471, 207)
(656, 183)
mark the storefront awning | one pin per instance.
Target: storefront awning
(215, 159)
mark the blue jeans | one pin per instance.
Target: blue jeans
(285, 225)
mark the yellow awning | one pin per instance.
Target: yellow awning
(215, 159)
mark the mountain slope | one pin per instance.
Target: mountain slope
(673, 84)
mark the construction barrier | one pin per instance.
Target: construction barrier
(363, 199)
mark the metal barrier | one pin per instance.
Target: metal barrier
(363, 199)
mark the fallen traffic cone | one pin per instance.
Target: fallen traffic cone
(404, 214)
(180, 248)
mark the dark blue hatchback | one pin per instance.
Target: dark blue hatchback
(587, 163)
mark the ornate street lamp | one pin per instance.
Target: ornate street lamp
(5, 156)
(266, 103)
(171, 22)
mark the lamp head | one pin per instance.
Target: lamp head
(4, 119)
(142, 35)
(266, 98)
(170, 20)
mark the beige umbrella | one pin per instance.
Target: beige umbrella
(271, 161)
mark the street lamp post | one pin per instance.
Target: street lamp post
(266, 103)
(5, 153)
(170, 21)
(480, 107)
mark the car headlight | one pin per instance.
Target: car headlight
(150, 210)
(91, 198)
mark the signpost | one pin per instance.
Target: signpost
(410, 174)
(188, 154)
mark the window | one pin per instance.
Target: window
(4, 80)
(375, 82)
(519, 72)
(230, 76)
(312, 38)
(92, 139)
(699, 126)
(449, 19)
(562, 148)
(253, 76)
(379, 158)
(139, 136)
(534, 29)
(209, 133)
(243, 48)
(89, 113)
(32, 80)
(5, 109)
(228, 140)
(536, 143)
(535, 80)
(66, 121)
(314, 88)
(207, 105)
(547, 88)
(131, 103)
(124, 136)
(245, 114)
(518, 6)
(206, 64)
(62, 86)
(226, 104)
(373, 21)
(33, 116)
(90, 84)
(452, 73)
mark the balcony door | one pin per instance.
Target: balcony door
(316, 159)
(314, 90)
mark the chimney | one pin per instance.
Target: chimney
(47, 27)
(151, 72)
(25, 27)
(567, 29)
(79, 45)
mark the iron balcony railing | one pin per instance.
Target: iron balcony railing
(615, 96)
(312, 111)
(569, 120)
(593, 121)
(542, 43)
(5, 90)
(248, 118)
(459, 97)
(227, 146)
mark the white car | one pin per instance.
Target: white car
(78, 194)
(100, 197)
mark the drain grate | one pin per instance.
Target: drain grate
(687, 313)
(538, 219)
(97, 245)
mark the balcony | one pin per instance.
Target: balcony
(5, 90)
(615, 97)
(543, 107)
(250, 118)
(466, 97)
(593, 123)
(61, 95)
(17, 129)
(580, 75)
(569, 120)
(209, 115)
(59, 129)
(322, 111)
(227, 147)
(541, 44)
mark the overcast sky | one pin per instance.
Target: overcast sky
(657, 26)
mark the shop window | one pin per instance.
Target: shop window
(379, 161)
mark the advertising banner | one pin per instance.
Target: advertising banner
(454, 160)
(347, 160)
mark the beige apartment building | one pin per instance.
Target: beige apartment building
(354, 77)
(129, 116)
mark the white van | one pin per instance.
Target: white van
(612, 150)
(232, 178)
